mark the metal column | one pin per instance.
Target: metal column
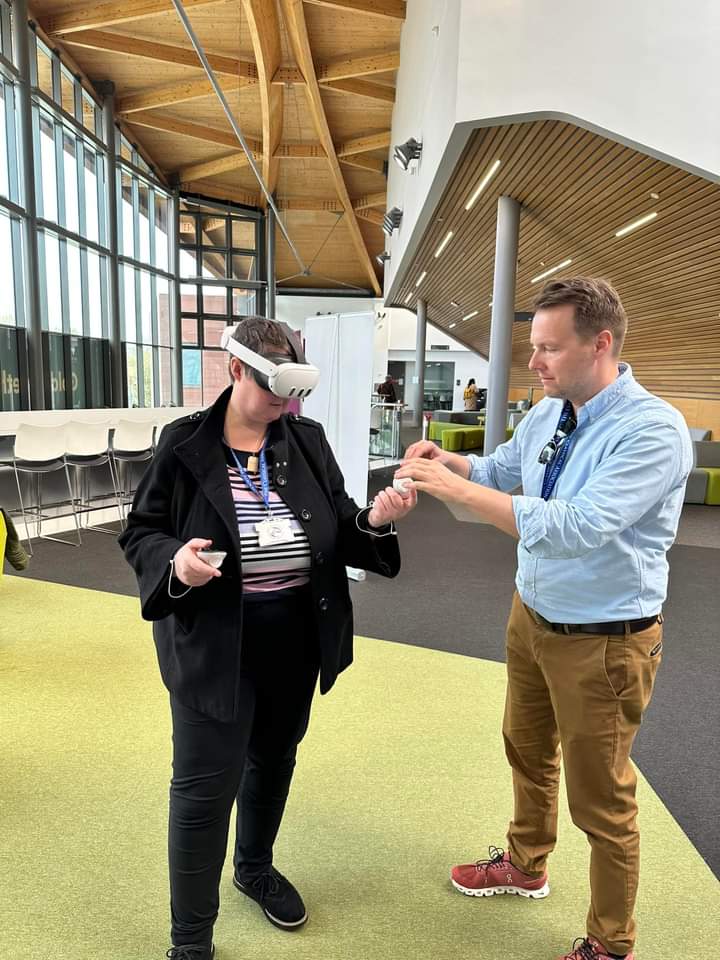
(501, 328)
(418, 401)
(176, 369)
(270, 262)
(31, 273)
(106, 89)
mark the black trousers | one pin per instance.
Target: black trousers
(250, 762)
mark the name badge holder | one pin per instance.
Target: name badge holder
(271, 530)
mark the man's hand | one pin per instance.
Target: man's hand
(191, 569)
(435, 478)
(390, 505)
(425, 449)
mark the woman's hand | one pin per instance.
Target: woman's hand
(191, 569)
(390, 505)
(435, 478)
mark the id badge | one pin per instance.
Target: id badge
(272, 531)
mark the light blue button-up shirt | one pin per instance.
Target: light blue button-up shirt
(596, 551)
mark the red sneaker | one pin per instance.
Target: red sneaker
(590, 949)
(485, 878)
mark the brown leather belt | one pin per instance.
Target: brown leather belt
(617, 627)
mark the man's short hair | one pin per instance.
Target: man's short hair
(597, 306)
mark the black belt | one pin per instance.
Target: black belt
(617, 627)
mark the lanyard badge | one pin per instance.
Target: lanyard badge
(272, 530)
(555, 452)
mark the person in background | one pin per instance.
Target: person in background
(603, 466)
(387, 390)
(243, 632)
(470, 395)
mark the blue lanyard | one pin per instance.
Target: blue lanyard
(264, 493)
(552, 470)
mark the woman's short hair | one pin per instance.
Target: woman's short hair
(597, 306)
(260, 335)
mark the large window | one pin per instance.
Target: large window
(145, 286)
(219, 283)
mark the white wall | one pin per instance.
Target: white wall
(467, 365)
(644, 70)
(293, 310)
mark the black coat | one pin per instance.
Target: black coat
(185, 493)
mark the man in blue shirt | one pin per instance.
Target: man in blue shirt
(603, 466)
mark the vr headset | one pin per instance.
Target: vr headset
(290, 377)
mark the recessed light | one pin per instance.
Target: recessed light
(483, 183)
(491, 303)
(469, 316)
(654, 196)
(452, 325)
(636, 223)
(541, 276)
(408, 298)
(454, 304)
(421, 278)
(446, 240)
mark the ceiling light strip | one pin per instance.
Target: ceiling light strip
(483, 183)
(446, 240)
(469, 316)
(636, 224)
(560, 266)
(421, 278)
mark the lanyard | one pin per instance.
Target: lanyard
(264, 493)
(552, 469)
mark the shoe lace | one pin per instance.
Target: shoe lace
(582, 949)
(497, 856)
(267, 884)
(190, 952)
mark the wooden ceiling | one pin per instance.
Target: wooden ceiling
(577, 189)
(312, 85)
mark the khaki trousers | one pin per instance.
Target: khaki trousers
(579, 696)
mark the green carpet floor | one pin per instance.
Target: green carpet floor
(401, 775)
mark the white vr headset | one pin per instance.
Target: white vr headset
(282, 375)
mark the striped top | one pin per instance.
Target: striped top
(278, 566)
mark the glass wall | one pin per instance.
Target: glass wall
(144, 241)
(13, 392)
(220, 282)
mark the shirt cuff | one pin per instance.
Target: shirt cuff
(480, 471)
(530, 520)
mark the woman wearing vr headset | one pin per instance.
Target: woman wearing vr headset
(240, 533)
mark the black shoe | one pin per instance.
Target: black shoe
(191, 951)
(280, 901)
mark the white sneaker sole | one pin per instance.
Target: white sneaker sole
(499, 891)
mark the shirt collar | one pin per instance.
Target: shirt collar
(597, 405)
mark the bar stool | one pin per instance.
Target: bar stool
(39, 451)
(132, 443)
(88, 445)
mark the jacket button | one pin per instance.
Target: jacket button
(306, 515)
(323, 604)
(281, 481)
(320, 558)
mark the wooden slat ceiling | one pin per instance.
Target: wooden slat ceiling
(577, 189)
(312, 86)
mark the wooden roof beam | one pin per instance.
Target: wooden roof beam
(372, 216)
(370, 200)
(296, 27)
(347, 68)
(161, 52)
(362, 88)
(364, 163)
(171, 94)
(87, 16)
(212, 168)
(264, 26)
(184, 128)
(376, 141)
(310, 203)
(219, 192)
(300, 151)
(390, 9)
